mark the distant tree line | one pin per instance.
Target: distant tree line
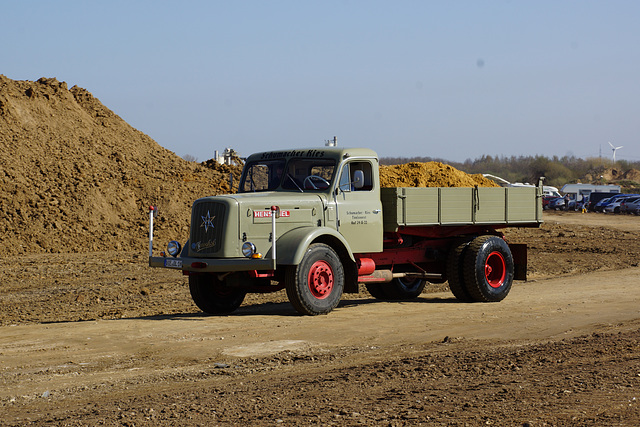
(556, 170)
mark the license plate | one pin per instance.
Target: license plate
(173, 263)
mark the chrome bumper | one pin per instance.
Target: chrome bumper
(212, 265)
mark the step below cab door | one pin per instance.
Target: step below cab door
(358, 205)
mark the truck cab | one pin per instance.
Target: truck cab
(341, 184)
(325, 199)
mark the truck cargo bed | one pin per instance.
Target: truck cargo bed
(449, 206)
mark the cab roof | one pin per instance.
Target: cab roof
(317, 153)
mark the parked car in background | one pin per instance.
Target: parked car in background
(630, 205)
(634, 208)
(599, 207)
(546, 200)
(596, 197)
(614, 206)
(559, 204)
(614, 199)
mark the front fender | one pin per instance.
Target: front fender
(291, 246)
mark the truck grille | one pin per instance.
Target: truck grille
(207, 221)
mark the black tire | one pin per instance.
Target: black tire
(315, 285)
(403, 288)
(377, 290)
(212, 296)
(455, 276)
(488, 269)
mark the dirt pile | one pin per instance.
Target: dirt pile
(430, 174)
(632, 175)
(612, 176)
(74, 176)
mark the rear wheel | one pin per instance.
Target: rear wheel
(315, 285)
(488, 269)
(454, 271)
(212, 296)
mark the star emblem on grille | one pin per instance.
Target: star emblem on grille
(207, 221)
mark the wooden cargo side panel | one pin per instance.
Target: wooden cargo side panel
(456, 205)
(429, 206)
(421, 206)
(521, 204)
(409, 206)
(490, 205)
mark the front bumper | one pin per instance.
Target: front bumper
(212, 265)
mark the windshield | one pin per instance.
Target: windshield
(262, 176)
(298, 174)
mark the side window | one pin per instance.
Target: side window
(365, 167)
(351, 171)
(344, 179)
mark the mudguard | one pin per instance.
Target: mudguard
(291, 246)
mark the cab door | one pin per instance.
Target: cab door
(359, 209)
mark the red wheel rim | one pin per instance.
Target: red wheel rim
(321, 279)
(495, 269)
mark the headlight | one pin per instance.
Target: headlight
(173, 248)
(248, 249)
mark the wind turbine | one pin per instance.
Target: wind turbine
(614, 151)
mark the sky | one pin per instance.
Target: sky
(453, 80)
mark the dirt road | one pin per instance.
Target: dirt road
(560, 350)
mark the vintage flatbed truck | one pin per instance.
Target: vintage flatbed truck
(316, 223)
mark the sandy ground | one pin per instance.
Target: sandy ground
(90, 339)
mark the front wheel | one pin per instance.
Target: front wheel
(212, 296)
(488, 269)
(315, 285)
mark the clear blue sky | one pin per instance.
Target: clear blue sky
(453, 80)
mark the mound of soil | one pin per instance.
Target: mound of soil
(632, 175)
(75, 177)
(430, 174)
(613, 176)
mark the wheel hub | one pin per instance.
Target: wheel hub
(321, 279)
(495, 269)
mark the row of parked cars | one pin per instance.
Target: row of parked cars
(621, 203)
(617, 203)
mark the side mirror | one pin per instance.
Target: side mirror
(358, 179)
